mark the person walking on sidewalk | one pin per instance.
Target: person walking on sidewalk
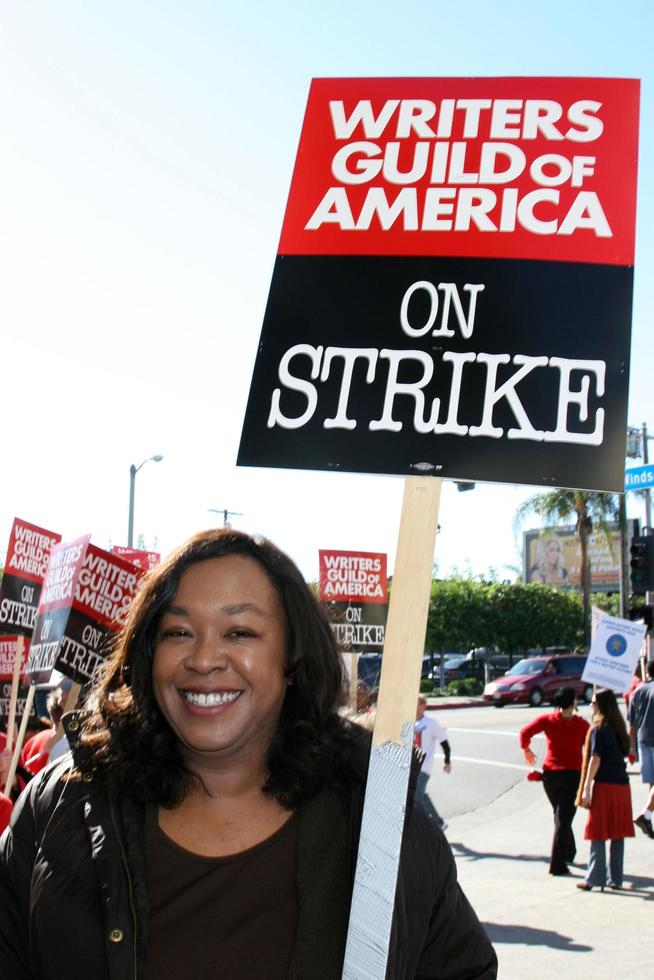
(428, 733)
(604, 791)
(641, 727)
(564, 732)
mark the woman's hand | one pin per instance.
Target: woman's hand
(585, 799)
(530, 757)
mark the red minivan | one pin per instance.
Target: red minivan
(537, 679)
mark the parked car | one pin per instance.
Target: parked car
(537, 679)
(369, 668)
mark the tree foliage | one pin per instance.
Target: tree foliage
(465, 614)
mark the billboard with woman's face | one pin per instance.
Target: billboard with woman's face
(552, 556)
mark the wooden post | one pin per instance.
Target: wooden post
(371, 913)
(15, 681)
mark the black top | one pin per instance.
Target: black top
(232, 916)
(604, 743)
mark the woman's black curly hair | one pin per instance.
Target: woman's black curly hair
(127, 741)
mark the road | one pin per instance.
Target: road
(486, 756)
(500, 830)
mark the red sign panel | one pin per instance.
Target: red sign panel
(353, 576)
(145, 560)
(25, 568)
(8, 645)
(524, 168)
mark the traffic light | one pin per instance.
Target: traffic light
(642, 564)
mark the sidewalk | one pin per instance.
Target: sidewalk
(543, 926)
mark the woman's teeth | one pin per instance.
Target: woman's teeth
(210, 699)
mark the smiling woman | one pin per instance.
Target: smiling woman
(211, 811)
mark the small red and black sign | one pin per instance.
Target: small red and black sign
(28, 554)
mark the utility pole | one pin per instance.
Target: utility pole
(649, 596)
(226, 514)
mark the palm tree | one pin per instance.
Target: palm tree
(589, 509)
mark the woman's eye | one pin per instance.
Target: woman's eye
(173, 632)
(240, 633)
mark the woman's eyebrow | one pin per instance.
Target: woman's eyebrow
(242, 607)
(175, 611)
(233, 610)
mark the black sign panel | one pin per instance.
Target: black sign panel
(499, 370)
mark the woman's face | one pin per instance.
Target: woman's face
(219, 663)
(552, 551)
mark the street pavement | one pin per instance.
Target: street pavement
(543, 926)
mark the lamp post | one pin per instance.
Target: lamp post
(133, 470)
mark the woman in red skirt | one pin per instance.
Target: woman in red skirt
(604, 791)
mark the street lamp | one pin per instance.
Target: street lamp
(133, 470)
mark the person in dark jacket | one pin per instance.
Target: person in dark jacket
(208, 820)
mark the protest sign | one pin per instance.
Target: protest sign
(145, 560)
(103, 594)
(8, 660)
(54, 607)
(28, 554)
(353, 588)
(614, 652)
(55, 601)
(452, 297)
(25, 567)
(452, 291)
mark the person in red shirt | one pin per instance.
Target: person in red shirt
(36, 751)
(564, 732)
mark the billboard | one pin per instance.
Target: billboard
(552, 556)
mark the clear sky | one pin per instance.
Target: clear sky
(147, 154)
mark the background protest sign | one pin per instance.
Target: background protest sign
(103, 594)
(614, 652)
(26, 565)
(354, 590)
(25, 568)
(8, 651)
(452, 291)
(54, 607)
(145, 560)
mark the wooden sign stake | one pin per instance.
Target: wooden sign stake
(375, 880)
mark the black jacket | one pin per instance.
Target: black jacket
(74, 903)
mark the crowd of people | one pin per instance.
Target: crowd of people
(209, 792)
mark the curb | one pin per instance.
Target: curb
(440, 704)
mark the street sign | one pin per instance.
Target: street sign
(639, 477)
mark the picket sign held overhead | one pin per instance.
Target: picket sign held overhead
(15, 684)
(353, 588)
(103, 594)
(55, 601)
(451, 298)
(26, 565)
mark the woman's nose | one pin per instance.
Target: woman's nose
(208, 653)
